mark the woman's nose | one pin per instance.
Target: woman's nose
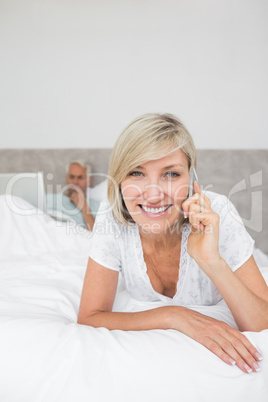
(153, 193)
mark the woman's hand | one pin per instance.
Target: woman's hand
(224, 341)
(203, 242)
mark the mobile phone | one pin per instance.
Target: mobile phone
(193, 178)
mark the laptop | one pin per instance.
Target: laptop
(29, 186)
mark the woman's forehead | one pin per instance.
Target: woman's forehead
(176, 158)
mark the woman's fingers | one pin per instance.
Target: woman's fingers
(248, 354)
(233, 348)
(254, 352)
(195, 199)
(227, 343)
(237, 348)
(199, 199)
(215, 348)
(196, 214)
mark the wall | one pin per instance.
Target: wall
(73, 73)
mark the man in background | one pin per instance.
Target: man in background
(73, 200)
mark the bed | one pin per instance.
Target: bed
(46, 356)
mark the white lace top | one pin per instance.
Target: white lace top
(118, 247)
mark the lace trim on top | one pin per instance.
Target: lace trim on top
(183, 263)
(184, 260)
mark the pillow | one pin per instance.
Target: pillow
(59, 216)
(28, 232)
(99, 192)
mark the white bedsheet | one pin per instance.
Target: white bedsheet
(45, 356)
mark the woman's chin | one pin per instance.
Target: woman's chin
(161, 227)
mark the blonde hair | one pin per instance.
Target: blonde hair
(149, 137)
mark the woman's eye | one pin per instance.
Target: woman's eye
(135, 173)
(172, 174)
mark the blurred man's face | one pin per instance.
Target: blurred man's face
(77, 175)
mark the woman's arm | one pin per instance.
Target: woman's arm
(95, 310)
(244, 290)
(97, 300)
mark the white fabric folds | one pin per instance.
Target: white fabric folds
(45, 356)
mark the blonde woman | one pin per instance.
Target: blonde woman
(171, 247)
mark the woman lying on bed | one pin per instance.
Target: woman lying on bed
(182, 250)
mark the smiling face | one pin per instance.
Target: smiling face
(154, 192)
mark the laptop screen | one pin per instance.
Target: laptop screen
(29, 186)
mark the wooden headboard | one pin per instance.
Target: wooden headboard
(242, 175)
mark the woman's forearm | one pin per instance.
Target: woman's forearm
(249, 311)
(158, 318)
(213, 334)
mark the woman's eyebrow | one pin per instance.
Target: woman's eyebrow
(174, 166)
(165, 167)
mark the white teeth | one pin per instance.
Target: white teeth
(154, 210)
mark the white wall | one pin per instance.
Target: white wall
(73, 73)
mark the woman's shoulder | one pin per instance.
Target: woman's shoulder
(106, 224)
(215, 197)
(105, 213)
(218, 201)
(224, 207)
(104, 205)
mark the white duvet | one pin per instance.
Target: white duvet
(46, 356)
